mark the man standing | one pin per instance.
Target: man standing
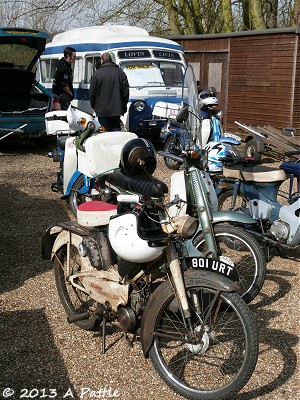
(109, 93)
(63, 78)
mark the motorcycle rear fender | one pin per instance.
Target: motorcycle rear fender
(71, 182)
(232, 216)
(164, 290)
(57, 236)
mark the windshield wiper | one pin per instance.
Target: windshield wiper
(151, 84)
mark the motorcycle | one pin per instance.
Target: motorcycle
(219, 144)
(256, 190)
(135, 265)
(244, 252)
(89, 159)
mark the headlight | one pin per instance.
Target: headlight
(139, 105)
(186, 226)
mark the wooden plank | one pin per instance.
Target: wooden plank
(278, 139)
(295, 140)
(273, 137)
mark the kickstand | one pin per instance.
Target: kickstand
(128, 340)
(103, 334)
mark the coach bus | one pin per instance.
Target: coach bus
(154, 67)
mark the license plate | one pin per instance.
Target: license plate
(210, 264)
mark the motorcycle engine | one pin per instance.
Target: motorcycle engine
(127, 316)
(280, 230)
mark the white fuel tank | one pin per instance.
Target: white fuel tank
(102, 152)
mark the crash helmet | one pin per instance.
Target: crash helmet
(126, 240)
(208, 97)
(136, 155)
(216, 151)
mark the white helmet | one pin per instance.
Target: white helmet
(126, 242)
(207, 97)
(216, 151)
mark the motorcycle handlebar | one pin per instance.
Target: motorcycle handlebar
(239, 160)
(170, 155)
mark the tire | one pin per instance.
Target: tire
(224, 201)
(251, 150)
(74, 301)
(244, 252)
(75, 199)
(220, 364)
(172, 142)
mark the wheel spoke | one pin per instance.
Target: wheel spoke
(215, 359)
(74, 300)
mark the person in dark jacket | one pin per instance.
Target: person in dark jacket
(63, 78)
(109, 93)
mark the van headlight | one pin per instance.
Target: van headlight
(139, 106)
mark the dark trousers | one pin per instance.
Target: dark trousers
(110, 123)
(65, 101)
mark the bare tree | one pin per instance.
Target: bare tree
(159, 17)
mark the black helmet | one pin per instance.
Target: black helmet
(135, 154)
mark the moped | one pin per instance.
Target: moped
(134, 265)
(256, 190)
(211, 136)
(89, 159)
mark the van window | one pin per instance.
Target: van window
(77, 70)
(47, 68)
(91, 64)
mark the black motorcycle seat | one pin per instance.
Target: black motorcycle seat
(291, 168)
(141, 184)
(254, 173)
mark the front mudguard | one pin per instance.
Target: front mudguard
(232, 216)
(164, 291)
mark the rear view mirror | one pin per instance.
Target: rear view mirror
(183, 114)
(289, 131)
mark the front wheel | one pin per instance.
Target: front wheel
(225, 201)
(214, 359)
(241, 250)
(171, 143)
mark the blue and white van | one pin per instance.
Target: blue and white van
(154, 67)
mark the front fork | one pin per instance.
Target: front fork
(204, 210)
(236, 189)
(181, 293)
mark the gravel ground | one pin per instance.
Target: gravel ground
(42, 356)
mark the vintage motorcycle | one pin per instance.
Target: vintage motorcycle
(256, 191)
(218, 144)
(134, 264)
(90, 160)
